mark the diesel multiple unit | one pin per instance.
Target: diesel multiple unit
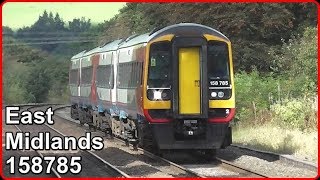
(169, 89)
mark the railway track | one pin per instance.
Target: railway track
(53, 170)
(92, 165)
(275, 157)
(217, 165)
(138, 163)
(212, 167)
(15, 128)
(157, 158)
(220, 168)
(239, 169)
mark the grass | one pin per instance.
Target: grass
(303, 145)
(58, 99)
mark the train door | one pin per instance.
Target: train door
(115, 57)
(190, 88)
(189, 80)
(79, 81)
(95, 63)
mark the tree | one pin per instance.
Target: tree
(251, 27)
(7, 31)
(297, 60)
(79, 25)
(59, 24)
(37, 85)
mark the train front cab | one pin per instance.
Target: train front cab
(189, 89)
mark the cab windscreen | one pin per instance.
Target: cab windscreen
(218, 70)
(159, 74)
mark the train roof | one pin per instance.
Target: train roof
(79, 55)
(185, 29)
(92, 51)
(182, 29)
(134, 39)
(110, 46)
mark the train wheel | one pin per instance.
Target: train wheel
(72, 112)
(91, 127)
(108, 133)
(127, 143)
(81, 118)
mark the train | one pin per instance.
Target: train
(169, 89)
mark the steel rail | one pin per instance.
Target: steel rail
(41, 155)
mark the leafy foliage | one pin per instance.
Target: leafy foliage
(285, 96)
(48, 30)
(297, 59)
(254, 95)
(47, 23)
(32, 80)
(37, 85)
(295, 113)
(14, 91)
(39, 72)
(79, 25)
(261, 100)
(7, 31)
(252, 27)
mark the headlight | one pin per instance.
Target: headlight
(159, 94)
(164, 95)
(220, 94)
(213, 94)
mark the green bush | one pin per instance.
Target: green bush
(13, 87)
(282, 96)
(267, 99)
(254, 95)
(297, 61)
(295, 113)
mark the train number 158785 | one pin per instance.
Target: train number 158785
(219, 83)
(36, 164)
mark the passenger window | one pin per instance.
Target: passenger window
(74, 76)
(105, 76)
(86, 75)
(129, 74)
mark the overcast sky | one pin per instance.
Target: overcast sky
(19, 14)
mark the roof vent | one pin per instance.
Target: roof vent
(131, 37)
(105, 43)
(121, 41)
